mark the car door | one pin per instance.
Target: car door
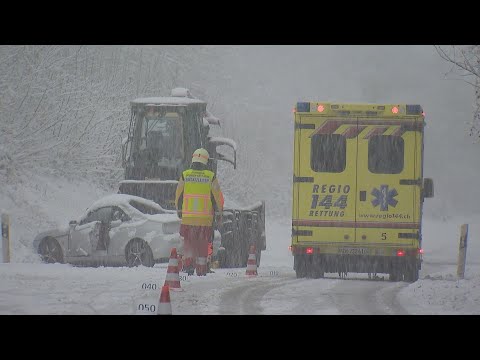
(119, 232)
(85, 235)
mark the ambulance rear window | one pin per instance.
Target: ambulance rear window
(385, 154)
(328, 153)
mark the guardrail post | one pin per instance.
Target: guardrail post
(462, 251)
(6, 238)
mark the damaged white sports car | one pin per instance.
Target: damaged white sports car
(116, 230)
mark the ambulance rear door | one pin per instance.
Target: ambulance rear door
(388, 182)
(324, 179)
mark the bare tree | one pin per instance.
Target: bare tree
(64, 109)
(465, 61)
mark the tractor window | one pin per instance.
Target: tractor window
(328, 153)
(193, 131)
(385, 154)
(163, 133)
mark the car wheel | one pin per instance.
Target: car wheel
(50, 251)
(138, 252)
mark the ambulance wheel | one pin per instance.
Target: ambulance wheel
(394, 275)
(411, 272)
(317, 272)
(311, 265)
(300, 266)
(316, 268)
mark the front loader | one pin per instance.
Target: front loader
(162, 136)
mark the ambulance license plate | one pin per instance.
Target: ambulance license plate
(353, 251)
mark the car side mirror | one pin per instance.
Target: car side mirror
(72, 222)
(427, 188)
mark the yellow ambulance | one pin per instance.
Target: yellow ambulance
(358, 189)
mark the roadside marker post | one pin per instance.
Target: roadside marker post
(462, 251)
(6, 238)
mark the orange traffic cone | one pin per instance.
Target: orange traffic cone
(164, 305)
(251, 262)
(173, 278)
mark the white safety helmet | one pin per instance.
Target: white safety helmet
(201, 156)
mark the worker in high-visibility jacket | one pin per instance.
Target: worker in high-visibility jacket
(198, 197)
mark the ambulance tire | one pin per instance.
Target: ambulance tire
(395, 275)
(300, 266)
(411, 272)
(315, 268)
(309, 263)
(316, 272)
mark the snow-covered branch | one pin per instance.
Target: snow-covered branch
(465, 61)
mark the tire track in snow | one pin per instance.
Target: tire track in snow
(246, 298)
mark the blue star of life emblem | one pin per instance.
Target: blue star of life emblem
(384, 197)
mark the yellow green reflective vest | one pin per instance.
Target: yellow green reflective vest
(197, 202)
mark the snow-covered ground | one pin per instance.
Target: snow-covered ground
(28, 286)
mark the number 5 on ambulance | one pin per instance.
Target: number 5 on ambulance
(358, 189)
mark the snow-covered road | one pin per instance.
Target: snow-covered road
(28, 286)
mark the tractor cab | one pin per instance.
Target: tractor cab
(162, 136)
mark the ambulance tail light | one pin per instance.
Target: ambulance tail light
(400, 252)
(309, 250)
(320, 108)
(394, 110)
(420, 251)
